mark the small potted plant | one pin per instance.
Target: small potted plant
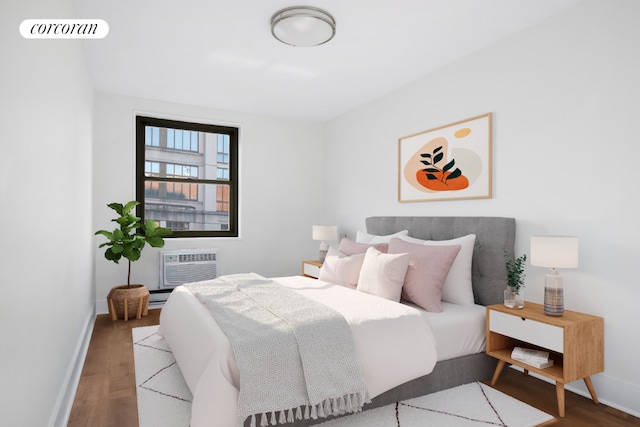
(128, 240)
(513, 297)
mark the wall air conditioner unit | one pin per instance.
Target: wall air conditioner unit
(185, 266)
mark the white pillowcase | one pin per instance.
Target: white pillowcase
(457, 287)
(362, 237)
(383, 274)
(341, 269)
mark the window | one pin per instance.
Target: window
(187, 177)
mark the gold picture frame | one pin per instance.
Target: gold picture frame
(450, 162)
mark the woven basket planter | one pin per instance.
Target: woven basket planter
(125, 303)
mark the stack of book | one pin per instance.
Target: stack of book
(536, 358)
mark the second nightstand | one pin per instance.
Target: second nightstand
(311, 268)
(575, 342)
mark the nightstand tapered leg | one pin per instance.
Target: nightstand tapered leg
(498, 371)
(560, 395)
(592, 390)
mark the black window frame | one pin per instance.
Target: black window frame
(232, 182)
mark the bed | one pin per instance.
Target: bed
(203, 351)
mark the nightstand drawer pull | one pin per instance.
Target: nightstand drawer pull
(530, 331)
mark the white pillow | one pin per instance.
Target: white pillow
(457, 287)
(341, 269)
(362, 237)
(383, 274)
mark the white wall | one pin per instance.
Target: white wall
(280, 190)
(46, 252)
(565, 99)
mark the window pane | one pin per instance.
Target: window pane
(178, 140)
(223, 148)
(170, 138)
(201, 206)
(151, 168)
(222, 198)
(222, 173)
(194, 141)
(152, 136)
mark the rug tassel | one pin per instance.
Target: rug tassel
(274, 421)
(314, 412)
(290, 416)
(321, 410)
(264, 421)
(299, 413)
(253, 421)
(306, 412)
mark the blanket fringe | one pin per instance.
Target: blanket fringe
(349, 403)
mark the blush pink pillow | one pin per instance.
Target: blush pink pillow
(349, 247)
(427, 272)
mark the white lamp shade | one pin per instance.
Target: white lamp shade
(554, 251)
(303, 26)
(324, 232)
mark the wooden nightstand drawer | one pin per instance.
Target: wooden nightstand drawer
(528, 330)
(311, 268)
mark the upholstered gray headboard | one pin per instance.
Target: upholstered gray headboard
(495, 236)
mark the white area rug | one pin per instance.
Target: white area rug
(165, 400)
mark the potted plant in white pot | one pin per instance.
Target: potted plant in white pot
(513, 295)
(127, 241)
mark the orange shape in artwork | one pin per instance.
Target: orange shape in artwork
(462, 133)
(439, 184)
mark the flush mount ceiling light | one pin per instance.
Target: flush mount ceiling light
(303, 26)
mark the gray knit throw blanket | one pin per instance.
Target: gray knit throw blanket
(296, 357)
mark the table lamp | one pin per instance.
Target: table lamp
(324, 233)
(554, 252)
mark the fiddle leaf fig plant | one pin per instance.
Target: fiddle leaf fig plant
(131, 235)
(515, 273)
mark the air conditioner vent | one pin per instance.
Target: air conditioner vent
(186, 266)
(195, 257)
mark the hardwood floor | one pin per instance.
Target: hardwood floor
(106, 395)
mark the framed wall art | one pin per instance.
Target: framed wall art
(446, 163)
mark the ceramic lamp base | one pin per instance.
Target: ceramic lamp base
(553, 294)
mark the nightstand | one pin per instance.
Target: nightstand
(575, 342)
(311, 269)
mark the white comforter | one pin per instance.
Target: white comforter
(393, 341)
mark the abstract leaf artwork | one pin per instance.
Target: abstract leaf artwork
(448, 162)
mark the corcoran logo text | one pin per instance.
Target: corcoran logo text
(64, 29)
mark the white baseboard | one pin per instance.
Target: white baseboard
(64, 403)
(102, 307)
(611, 391)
